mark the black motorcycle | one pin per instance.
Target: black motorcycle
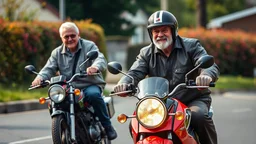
(73, 121)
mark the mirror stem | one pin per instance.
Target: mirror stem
(127, 75)
(83, 64)
(186, 76)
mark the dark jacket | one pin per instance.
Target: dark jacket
(186, 51)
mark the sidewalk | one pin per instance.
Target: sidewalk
(26, 105)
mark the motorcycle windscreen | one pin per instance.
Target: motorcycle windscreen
(156, 86)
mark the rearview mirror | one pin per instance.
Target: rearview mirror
(205, 61)
(114, 67)
(91, 55)
(30, 69)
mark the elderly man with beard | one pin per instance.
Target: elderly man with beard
(171, 56)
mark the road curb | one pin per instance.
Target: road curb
(20, 106)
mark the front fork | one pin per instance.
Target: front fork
(53, 111)
(72, 114)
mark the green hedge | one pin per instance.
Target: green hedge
(23, 43)
(234, 51)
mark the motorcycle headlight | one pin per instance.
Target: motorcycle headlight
(56, 93)
(151, 112)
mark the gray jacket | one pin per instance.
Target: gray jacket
(62, 60)
(186, 51)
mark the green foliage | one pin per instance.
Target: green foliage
(149, 6)
(236, 83)
(214, 9)
(183, 12)
(220, 8)
(107, 12)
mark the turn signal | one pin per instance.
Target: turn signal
(77, 92)
(179, 115)
(42, 100)
(122, 118)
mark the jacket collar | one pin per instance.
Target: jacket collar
(65, 50)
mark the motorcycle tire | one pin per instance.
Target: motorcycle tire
(105, 141)
(60, 132)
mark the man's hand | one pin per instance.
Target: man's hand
(203, 80)
(121, 88)
(37, 81)
(91, 70)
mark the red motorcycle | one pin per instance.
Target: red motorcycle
(159, 118)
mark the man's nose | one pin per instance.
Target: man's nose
(161, 33)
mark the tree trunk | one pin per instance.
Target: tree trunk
(201, 13)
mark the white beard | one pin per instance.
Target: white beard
(163, 45)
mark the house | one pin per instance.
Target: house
(140, 20)
(243, 20)
(43, 10)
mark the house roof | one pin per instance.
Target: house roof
(217, 22)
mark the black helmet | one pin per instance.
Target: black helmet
(161, 18)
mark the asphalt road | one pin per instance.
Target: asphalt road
(234, 118)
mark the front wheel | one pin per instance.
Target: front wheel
(60, 131)
(105, 141)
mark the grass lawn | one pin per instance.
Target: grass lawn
(224, 83)
(237, 83)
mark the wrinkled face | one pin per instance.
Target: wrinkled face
(162, 36)
(70, 38)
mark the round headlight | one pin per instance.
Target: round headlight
(56, 93)
(151, 112)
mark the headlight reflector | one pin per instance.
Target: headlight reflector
(56, 93)
(151, 112)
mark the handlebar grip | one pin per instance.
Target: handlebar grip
(212, 84)
(193, 83)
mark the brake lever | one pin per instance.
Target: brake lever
(43, 84)
(192, 84)
(112, 93)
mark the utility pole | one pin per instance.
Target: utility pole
(164, 5)
(62, 10)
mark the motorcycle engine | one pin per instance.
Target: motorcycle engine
(94, 132)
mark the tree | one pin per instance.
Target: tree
(213, 8)
(105, 12)
(201, 13)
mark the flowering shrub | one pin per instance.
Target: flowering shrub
(23, 43)
(234, 51)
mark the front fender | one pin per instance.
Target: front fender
(154, 140)
(58, 112)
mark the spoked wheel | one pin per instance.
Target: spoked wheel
(60, 132)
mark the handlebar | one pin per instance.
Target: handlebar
(192, 84)
(120, 93)
(44, 83)
(81, 75)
